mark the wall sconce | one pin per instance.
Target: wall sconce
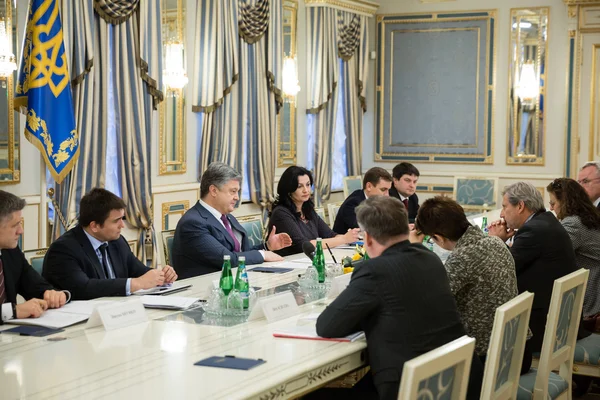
(7, 58)
(174, 75)
(289, 77)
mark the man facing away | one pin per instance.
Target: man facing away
(93, 260)
(405, 177)
(17, 276)
(589, 179)
(400, 298)
(376, 182)
(208, 231)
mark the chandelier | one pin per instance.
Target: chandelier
(529, 84)
(289, 78)
(174, 76)
(7, 58)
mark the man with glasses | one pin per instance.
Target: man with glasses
(589, 178)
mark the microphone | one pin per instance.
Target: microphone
(309, 250)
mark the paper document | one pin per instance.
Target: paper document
(169, 302)
(69, 314)
(310, 332)
(160, 290)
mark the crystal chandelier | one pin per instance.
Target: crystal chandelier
(174, 76)
(7, 58)
(529, 85)
(289, 77)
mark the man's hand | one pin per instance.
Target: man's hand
(278, 241)
(55, 299)
(33, 308)
(150, 279)
(270, 256)
(352, 235)
(170, 274)
(501, 230)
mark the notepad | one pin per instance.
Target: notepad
(310, 332)
(38, 331)
(231, 362)
(162, 290)
(67, 315)
(169, 302)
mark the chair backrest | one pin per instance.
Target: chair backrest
(253, 225)
(167, 241)
(439, 373)
(475, 191)
(321, 213)
(36, 258)
(505, 352)
(561, 330)
(333, 209)
(352, 183)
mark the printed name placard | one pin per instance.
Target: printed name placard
(339, 284)
(276, 307)
(118, 315)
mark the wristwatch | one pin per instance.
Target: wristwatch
(14, 308)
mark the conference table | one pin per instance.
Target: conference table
(155, 359)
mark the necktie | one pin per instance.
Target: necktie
(2, 291)
(104, 253)
(236, 243)
(405, 201)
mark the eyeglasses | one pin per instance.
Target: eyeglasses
(587, 181)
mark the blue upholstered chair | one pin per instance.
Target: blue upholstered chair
(253, 225)
(332, 209)
(476, 194)
(560, 338)
(505, 351)
(352, 183)
(442, 373)
(321, 213)
(167, 241)
(36, 258)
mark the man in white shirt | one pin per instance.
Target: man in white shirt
(589, 178)
(16, 274)
(208, 231)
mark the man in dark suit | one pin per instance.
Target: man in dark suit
(400, 298)
(589, 178)
(405, 177)
(208, 231)
(376, 182)
(541, 248)
(16, 275)
(93, 260)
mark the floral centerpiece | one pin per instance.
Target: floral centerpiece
(359, 255)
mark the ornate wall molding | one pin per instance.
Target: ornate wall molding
(581, 2)
(363, 7)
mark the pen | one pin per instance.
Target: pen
(330, 252)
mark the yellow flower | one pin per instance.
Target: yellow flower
(356, 256)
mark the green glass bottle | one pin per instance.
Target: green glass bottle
(319, 260)
(427, 243)
(241, 281)
(226, 281)
(484, 226)
(366, 256)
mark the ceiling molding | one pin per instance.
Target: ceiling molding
(363, 7)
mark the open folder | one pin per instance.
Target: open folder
(67, 315)
(310, 332)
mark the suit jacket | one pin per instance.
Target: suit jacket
(346, 217)
(403, 302)
(72, 264)
(413, 204)
(21, 278)
(201, 241)
(543, 252)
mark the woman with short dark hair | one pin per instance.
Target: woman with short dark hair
(294, 213)
(581, 220)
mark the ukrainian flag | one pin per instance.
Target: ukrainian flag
(43, 91)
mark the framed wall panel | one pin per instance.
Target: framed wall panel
(435, 82)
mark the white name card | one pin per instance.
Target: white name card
(118, 315)
(339, 284)
(276, 307)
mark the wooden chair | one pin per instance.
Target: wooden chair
(352, 183)
(505, 352)
(253, 225)
(560, 338)
(36, 258)
(476, 194)
(321, 213)
(333, 209)
(440, 373)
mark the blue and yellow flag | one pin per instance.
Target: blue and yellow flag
(43, 91)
